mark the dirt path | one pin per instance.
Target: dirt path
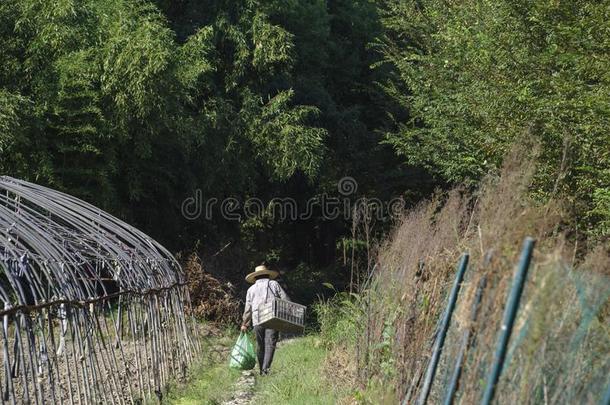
(243, 390)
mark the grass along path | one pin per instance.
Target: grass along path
(296, 378)
(211, 380)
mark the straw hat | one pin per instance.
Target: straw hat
(260, 271)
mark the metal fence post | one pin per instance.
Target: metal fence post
(466, 339)
(510, 313)
(440, 339)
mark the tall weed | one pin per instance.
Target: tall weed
(339, 318)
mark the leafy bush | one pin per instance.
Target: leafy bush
(479, 76)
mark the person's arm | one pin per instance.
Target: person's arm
(279, 291)
(247, 316)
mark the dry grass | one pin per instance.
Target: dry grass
(560, 345)
(211, 298)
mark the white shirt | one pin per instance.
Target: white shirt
(262, 291)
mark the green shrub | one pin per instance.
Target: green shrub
(339, 318)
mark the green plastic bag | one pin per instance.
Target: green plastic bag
(243, 356)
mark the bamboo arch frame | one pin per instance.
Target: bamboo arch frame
(92, 308)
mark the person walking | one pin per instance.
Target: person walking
(263, 290)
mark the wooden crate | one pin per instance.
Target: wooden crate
(282, 315)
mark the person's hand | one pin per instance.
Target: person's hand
(244, 328)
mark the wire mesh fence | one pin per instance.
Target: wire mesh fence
(559, 350)
(93, 310)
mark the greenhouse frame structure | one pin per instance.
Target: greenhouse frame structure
(93, 310)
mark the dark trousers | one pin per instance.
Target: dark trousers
(266, 339)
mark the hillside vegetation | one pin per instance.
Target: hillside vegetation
(478, 76)
(560, 349)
